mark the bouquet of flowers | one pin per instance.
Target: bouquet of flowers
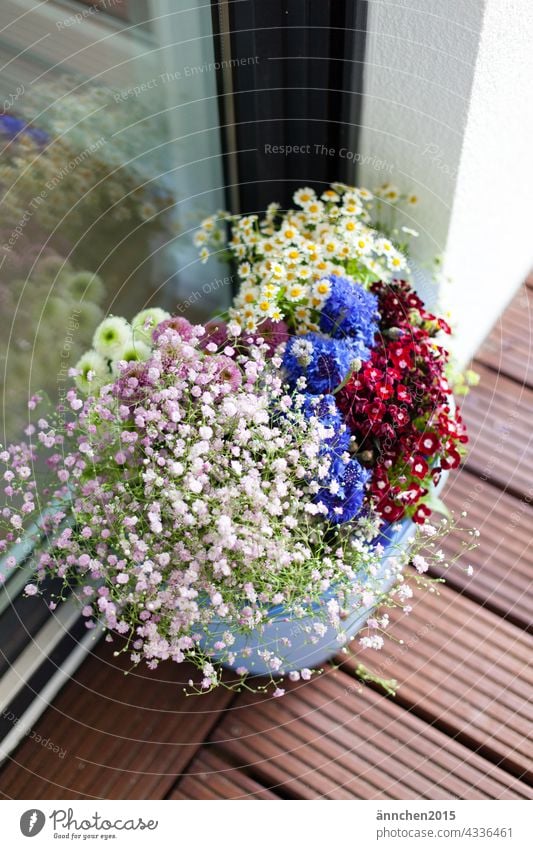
(229, 495)
(326, 279)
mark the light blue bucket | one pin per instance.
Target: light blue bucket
(302, 652)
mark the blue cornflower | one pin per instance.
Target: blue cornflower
(324, 408)
(350, 311)
(324, 362)
(344, 491)
(11, 127)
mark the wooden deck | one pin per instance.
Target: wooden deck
(460, 725)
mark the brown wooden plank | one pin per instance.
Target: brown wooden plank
(333, 738)
(210, 776)
(126, 736)
(503, 563)
(509, 347)
(499, 415)
(468, 671)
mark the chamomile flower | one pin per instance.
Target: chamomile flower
(304, 272)
(264, 306)
(319, 238)
(314, 209)
(396, 262)
(278, 271)
(331, 247)
(340, 188)
(391, 194)
(302, 313)
(272, 210)
(292, 255)
(200, 238)
(362, 245)
(295, 292)
(304, 196)
(384, 247)
(208, 224)
(288, 233)
(322, 288)
(348, 227)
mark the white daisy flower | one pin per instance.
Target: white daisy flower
(314, 209)
(329, 196)
(322, 288)
(396, 262)
(200, 238)
(304, 196)
(295, 292)
(384, 247)
(391, 194)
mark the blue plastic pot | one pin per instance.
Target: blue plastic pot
(302, 653)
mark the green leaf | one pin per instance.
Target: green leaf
(435, 503)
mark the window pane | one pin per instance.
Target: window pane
(109, 157)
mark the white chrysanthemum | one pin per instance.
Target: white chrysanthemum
(86, 286)
(111, 336)
(133, 352)
(145, 321)
(93, 372)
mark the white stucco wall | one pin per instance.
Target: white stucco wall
(448, 106)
